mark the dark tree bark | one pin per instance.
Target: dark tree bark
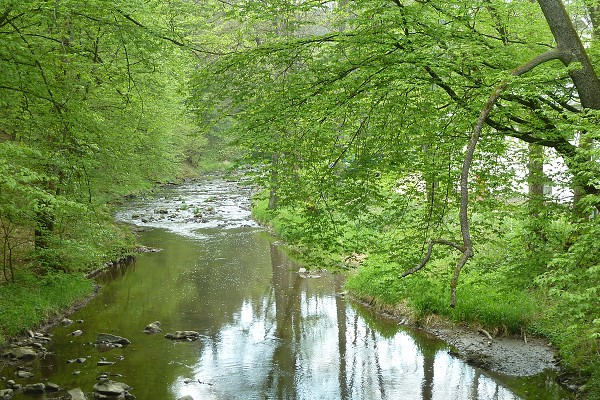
(586, 81)
(571, 49)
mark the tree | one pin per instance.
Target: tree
(363, 102)
(89, 93)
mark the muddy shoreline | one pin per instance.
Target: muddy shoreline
(512, 355)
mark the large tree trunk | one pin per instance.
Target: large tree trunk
(535, 179)
(572, 50)
(587, 84)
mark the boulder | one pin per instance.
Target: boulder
(6, 393)
(52, 387)
(183, 335)
(108, 339)
(24, 374)
(188, 397)
(107, 387)
(79, 360)
(35, 388)
(153, 327)
(76, 394)
(22, 353)
(38, 346)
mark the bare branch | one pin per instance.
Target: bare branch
(467, 248)
(428, 255)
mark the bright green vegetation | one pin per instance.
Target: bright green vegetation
(512, 286)
(377, 128)
(34, 299)
(91, 108)
(381, 128)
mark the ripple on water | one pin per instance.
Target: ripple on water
(194, 210)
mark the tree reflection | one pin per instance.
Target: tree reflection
(286, 288)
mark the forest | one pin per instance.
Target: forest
(444, 153)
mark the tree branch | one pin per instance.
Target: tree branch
(428, 255)
(167, 38)
(467, 247)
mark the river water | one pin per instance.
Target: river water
(266, 331)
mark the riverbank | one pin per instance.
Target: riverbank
(178, 212)
(504, 293)
(57, 279)
(493, 326)
(39, 303)
(514, 355)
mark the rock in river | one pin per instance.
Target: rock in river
(108, 339)
(153, 327)
(107, 387)
(21, 353)
(77, 394)
(24, 374)
(6, 393)
(183, 335)
(35, 388)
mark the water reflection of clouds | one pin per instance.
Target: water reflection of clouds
(456, 380)
(300, 341)
(248, 362)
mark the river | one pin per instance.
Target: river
(266, 331)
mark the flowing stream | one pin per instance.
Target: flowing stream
(266, 331)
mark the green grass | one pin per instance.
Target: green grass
(478, 302)
(33, 299)
(48, 281)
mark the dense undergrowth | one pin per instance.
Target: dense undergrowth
(40, 282)
(526, 277)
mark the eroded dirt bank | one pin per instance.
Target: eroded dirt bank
(509, 355)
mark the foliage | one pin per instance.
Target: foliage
(356, 116)
(571, 293)
(353, 115)
(92, 99)
(92, 106)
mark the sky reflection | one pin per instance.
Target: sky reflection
(324, 349)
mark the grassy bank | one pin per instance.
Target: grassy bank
(46, 282)
(521, 280)
(31, 300)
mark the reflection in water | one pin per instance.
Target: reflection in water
(266, 332)
(301, 341)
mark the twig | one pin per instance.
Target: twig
(486, 333)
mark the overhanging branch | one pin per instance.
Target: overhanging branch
(467, 247)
